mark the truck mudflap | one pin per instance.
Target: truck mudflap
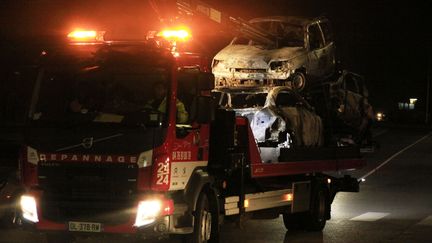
(346, 184)
(343, 184)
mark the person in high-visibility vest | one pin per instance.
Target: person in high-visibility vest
(160, 102)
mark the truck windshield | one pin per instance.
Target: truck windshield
(102, 95)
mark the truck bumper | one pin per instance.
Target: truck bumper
(162, 226)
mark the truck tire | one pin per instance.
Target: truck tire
(205, 222)
(316, 218)
(293, 221)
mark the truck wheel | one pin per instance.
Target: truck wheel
(206, 222)
(293, 221)
(298, 81)
(316, 218)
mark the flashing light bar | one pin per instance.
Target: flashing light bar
(86, 36)
(175, 35)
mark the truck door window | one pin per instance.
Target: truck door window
(186, 96)
(315, 37)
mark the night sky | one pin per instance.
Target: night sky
(386, 41)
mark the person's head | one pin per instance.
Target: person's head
(160, 90)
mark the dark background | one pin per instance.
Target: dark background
(388, 42)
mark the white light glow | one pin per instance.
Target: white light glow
(147, 212)
(28, 208)
(379, 116)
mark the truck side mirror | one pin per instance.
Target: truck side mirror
(205, 109)
(205, 82)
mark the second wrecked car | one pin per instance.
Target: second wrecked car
(337, 113)
(278, 116)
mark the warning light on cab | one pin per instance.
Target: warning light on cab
(86, 36)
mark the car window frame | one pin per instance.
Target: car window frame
(322, 45)
(324, 35)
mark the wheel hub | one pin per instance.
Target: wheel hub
(206, 225)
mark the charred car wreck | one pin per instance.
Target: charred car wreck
(335, 114)
(289, 88)
(302, 49)
(278, 116)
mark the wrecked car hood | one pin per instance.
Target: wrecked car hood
(248, 56)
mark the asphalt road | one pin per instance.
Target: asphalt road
(394, 203)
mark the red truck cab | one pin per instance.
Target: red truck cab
(99, 156)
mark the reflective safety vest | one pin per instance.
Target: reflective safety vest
(182, 114)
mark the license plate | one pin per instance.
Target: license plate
(85, 226)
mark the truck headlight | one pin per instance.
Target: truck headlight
(28, 208)
(149, 210)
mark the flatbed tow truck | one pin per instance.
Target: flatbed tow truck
(97, 160)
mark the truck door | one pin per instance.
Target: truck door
(190, 148)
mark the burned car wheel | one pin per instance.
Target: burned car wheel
(298, 81)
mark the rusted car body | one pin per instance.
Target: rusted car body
(303, 50)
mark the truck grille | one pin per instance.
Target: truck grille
(87, 191)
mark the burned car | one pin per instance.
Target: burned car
(302, 53)
(278, 116)
(353, 114)
(342, 103)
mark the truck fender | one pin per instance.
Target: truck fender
(199, 181)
